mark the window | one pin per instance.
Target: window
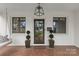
(59, 24)
(18, 24)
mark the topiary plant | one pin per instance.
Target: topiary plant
(51, 36)
(51, 31)
(28, 37)
(28, 32)
(27, 42)
(51, 41)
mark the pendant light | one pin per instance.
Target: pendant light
(39, 10)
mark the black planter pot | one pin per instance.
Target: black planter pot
(51, 43)
(27, 43)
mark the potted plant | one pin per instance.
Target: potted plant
(51, 41)
(27, 42)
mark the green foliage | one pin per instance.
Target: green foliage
(38, 33)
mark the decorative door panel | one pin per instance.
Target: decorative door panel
(39, 31)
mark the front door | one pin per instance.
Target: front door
(39, 31)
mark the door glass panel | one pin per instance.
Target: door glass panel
(39, 31)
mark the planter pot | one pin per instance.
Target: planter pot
(51, 43)
(27, 43)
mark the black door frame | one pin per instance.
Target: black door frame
(43, 29)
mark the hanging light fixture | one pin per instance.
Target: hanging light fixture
(39, 10)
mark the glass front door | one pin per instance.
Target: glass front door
(39, 31)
